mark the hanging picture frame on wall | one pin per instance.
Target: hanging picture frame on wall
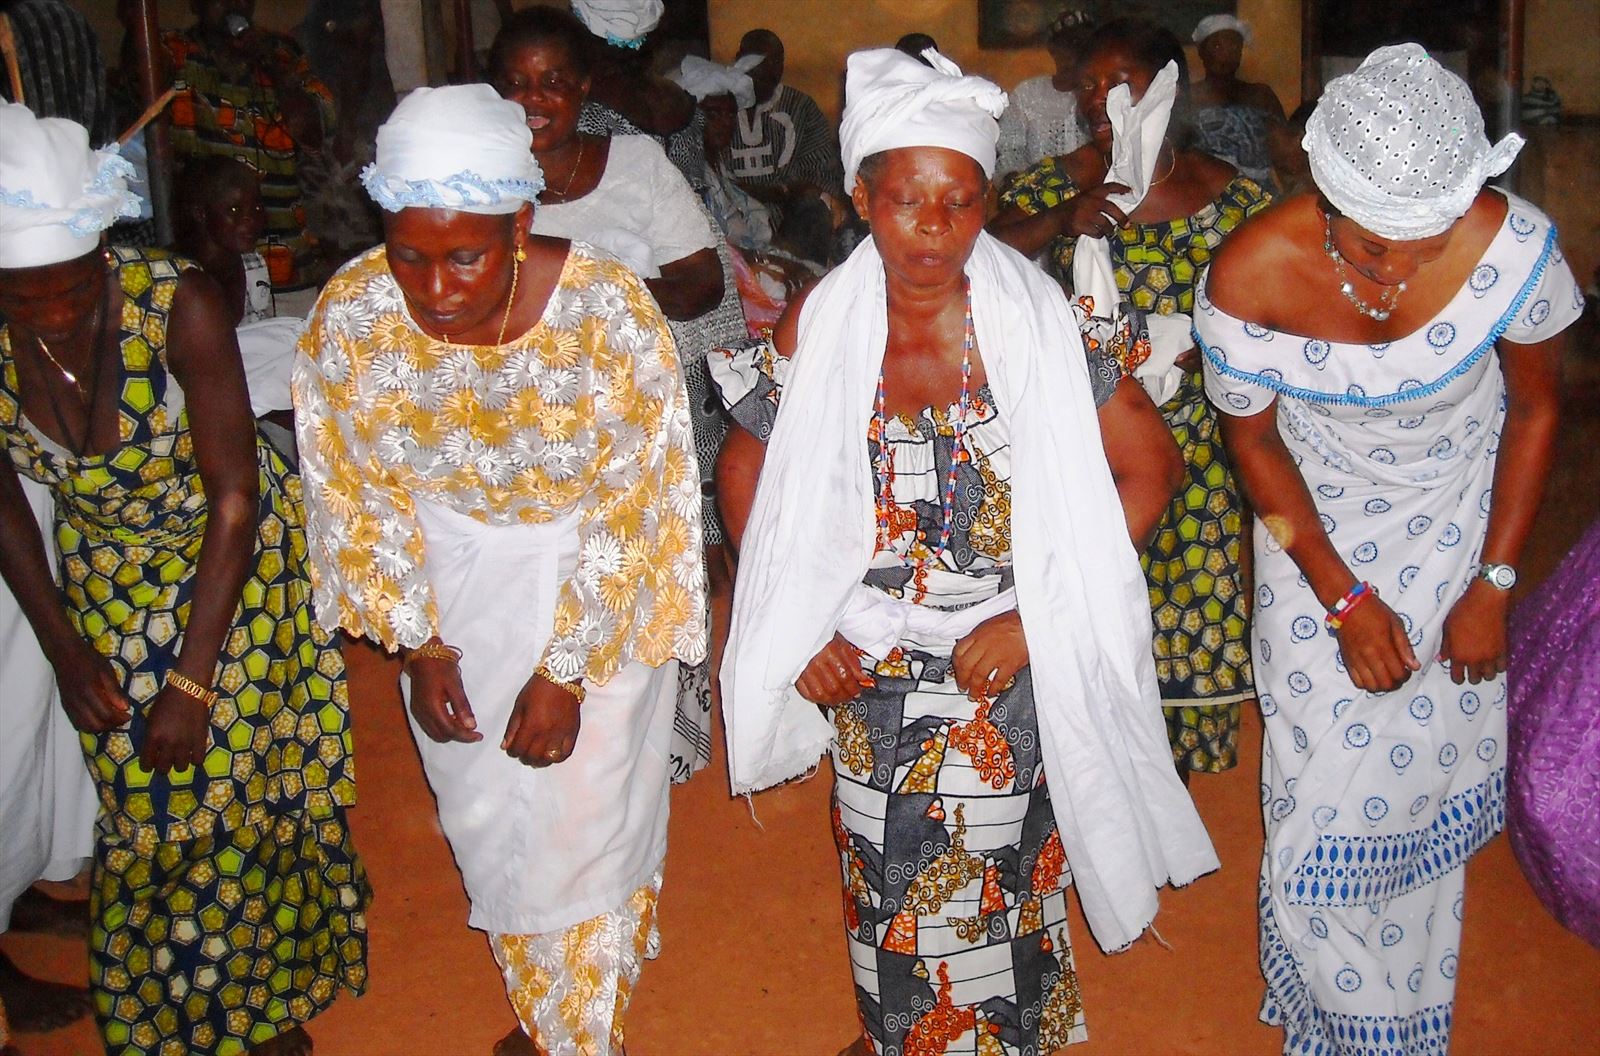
(1026, 23)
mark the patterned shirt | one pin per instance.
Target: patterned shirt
(241, 118)
(784, 140)
(584, 413)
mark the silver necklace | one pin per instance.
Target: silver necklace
(1388, 300)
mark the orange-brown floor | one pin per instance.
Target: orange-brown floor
(753, 959)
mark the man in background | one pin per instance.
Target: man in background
(782, 145)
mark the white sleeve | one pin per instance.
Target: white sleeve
(678, 224)
(1555, 303)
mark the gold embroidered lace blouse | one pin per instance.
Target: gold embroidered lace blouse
(585, 412)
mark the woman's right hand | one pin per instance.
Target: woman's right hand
(91, 695)
(1377, 655)
(1090, 213)
(834, 675)
(439, 700)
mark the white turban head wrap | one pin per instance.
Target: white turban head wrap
(703, 78)
(892, 100)
(622, 23)
(56, 193)
(1217, 23)
(1398, 145)
(460, 147)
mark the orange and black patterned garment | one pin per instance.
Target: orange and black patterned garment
(955, 879)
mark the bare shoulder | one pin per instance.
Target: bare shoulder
(785, 336)
(1085, 167)
(1253, 273)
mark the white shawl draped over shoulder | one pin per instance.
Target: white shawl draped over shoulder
(1127, 823)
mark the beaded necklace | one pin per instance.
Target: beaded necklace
(883, 463)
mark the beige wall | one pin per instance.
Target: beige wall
(818, 34)
(1563, 40)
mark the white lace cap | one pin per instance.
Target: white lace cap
(1398, 145)
(460, 147)
(56, 193)
(892, 100)
(1217, 23)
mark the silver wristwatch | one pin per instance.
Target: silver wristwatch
(1501, 577)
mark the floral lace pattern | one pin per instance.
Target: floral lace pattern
(584, 414)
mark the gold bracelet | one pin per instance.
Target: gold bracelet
(575, 688)
(189, 687)
(432, 651)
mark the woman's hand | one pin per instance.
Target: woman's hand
(1377, 655)
(544, 724)
(834, 675)
(177, 732)
(1089, 212)
(90, 693)
(439, 700)
(986, 660)
(1474, 643)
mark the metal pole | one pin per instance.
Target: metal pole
(466, 58)
(1310, 50)
(1513, 14)
(157, 134)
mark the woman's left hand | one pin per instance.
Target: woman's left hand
(986, 660)
(544, 724)
(1474, 643)
(177, 732)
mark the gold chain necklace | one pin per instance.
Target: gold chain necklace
(511, 298)
(572, 177)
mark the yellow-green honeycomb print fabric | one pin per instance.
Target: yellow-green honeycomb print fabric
(228, 902)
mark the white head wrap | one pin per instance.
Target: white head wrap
(1217, 23)
(460, 147)
(56, 193)
(892, 100)
(1398, 146)
(623, 23)
(703, 78)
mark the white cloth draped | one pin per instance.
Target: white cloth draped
(539, 849)
(47, 799)
(1137, 131)
(1128, 825)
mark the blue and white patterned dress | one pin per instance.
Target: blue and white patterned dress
(1374, 801)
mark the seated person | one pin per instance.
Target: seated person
(218, 219)
(249, 94)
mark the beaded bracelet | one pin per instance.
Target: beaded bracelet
(1342, 608)
(575, 688)
(432, 651)
(190, 688)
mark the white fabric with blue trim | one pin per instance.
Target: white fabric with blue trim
(621, 23)
(56, 193)
(460, 147)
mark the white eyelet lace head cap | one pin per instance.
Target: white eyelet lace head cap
(1398, 145)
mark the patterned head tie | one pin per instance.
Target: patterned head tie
(892, 101)
(620, 23)
(1398, 145)
(1217, 23)
(56, 193)
(703, 78)
(461, 147)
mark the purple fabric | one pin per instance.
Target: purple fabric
(1554, 716)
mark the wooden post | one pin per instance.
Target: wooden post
(1310, 50)
(158, 134)
(466, 58)
(1513, 17)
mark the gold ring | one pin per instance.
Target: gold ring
(554, 753)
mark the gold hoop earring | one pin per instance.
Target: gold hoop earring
(522, 254)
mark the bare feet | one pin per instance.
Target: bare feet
(516, 1044)
(292, 1042)
(36, 1006)
(35, 911)
(859, 1047)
